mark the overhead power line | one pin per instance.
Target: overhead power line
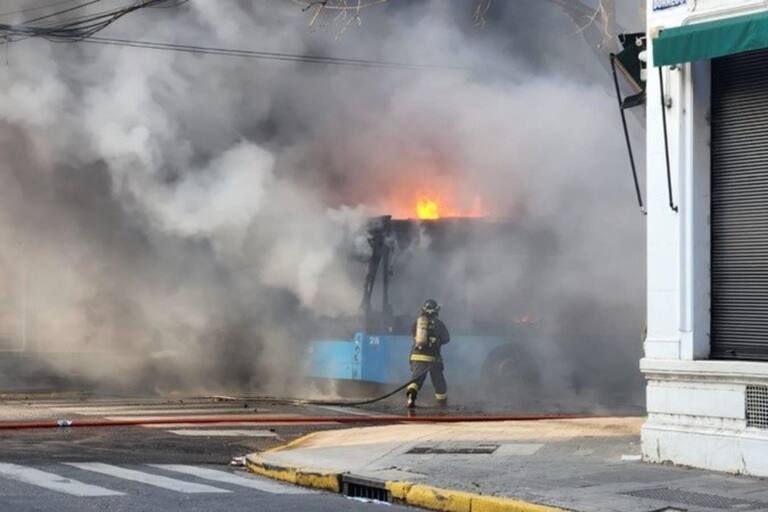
(261, 55)
(36, 8)
(60, 13)
(60, 26)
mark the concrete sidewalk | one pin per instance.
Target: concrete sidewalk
(580, 464)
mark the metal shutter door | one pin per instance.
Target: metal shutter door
(740, 207)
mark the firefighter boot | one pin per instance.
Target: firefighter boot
(413, 388)
(441, 400)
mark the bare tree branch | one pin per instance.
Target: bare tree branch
(336, 12)
(481, 11)
(338, 5)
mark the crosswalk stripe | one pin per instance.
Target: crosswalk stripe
(147, 412)
(146, 478)
(233, 423)
(55, 404)
(212, 414)
(223, 433)
(231, 478)
(149, 407)
(351, 410)
(53, 482)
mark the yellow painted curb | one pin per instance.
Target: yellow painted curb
(409, 493)
(494, 504)
(294, 475)
(447, 500)
(434, 498)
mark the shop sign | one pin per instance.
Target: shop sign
(659, 5)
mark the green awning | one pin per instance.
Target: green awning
(711, 39)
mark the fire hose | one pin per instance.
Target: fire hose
(370, 400)
(357, 419)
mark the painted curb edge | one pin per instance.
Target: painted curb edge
(409, 493)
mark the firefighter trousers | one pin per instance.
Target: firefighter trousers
(435, 374)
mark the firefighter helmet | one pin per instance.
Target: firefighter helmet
(430, 308)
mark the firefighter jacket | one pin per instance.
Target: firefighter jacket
(427, 348)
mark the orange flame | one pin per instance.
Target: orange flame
(427, 209)
(432, 208)
(424, 190)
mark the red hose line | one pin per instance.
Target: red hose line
(207, 420)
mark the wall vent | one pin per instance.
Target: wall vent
(757, 406)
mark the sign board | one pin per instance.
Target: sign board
(659, 5)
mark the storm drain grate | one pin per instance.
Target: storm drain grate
(757, 406)
(466, 450)
(364, 488)
(697, 499)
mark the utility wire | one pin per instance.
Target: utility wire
(83, 29)
(261, 55)
(36, 8)
(59, 27)
(59, 13)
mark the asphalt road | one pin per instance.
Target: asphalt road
(164, 468)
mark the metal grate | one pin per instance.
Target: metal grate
(467, 450)
(364, 488)
(757, 406)
(697, 499)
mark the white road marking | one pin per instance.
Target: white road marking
(168, 412)
(146, 478)
(518, 449)
(231, 478)
(131, 411)
(224, 433)
(53, 482)
(72, 404)
(233, 417)
(351, 410)
(233, 423)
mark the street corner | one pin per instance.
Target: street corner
(315, 479)
(398, 492)
(344, 481)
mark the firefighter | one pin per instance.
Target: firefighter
(429, 334)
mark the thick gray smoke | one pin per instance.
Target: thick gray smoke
(190, 215)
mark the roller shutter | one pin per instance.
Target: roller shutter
(739, 218)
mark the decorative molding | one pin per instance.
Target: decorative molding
(736, 372)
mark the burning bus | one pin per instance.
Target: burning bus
(482, 271)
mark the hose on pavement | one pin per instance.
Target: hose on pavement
(343, 403)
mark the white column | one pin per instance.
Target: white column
(663, 338)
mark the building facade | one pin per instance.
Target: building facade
(706, 350)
